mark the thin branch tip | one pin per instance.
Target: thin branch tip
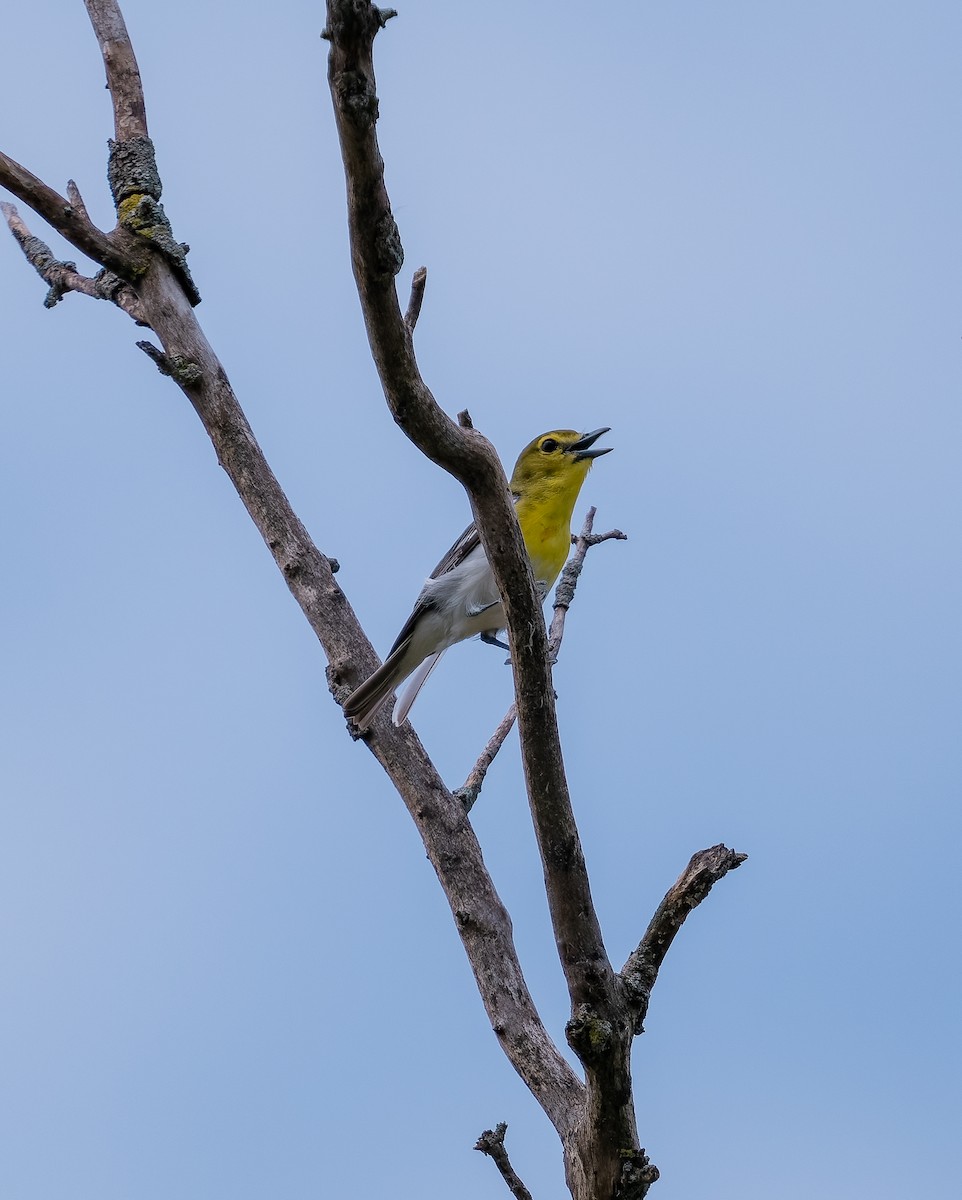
(613, 535)
(156, 356)
(491, 1137)
(76, 200)
(491, 1143)
(418, 282)
(716, 858)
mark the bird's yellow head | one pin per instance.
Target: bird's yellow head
(556, 462)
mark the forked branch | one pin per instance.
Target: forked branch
(62, 277)
(71, 221)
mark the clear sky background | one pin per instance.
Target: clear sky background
(730, 232)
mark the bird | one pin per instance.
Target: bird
(460, 598)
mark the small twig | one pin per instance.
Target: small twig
(417, 297)
(76, 200)
(491, 1143)
(184, 371)
(565, 591)
(157, 357)
(690, 888)
(471, 788)
(63, 277)
(564, 594)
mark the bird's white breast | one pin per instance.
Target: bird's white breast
(464, 601)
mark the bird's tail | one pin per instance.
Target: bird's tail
(416, 682)
(362, 705)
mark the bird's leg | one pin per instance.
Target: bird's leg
(490, 638)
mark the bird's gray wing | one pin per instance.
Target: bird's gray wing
(468, 541)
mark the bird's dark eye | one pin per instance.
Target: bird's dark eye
(549, 445)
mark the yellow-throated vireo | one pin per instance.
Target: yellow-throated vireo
(461, 598)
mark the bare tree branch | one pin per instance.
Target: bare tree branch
(491, 1143)
(689, 889)
(64, 277)
(377, 255)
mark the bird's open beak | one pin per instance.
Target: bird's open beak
(581, 449)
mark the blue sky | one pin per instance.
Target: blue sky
(730, 233)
